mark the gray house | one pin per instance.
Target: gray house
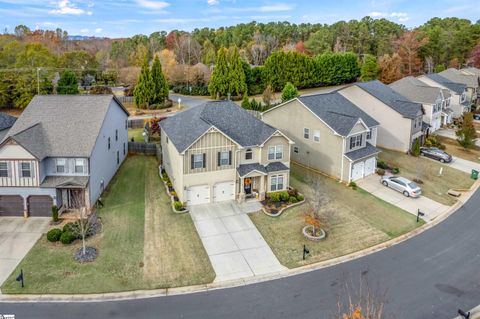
(6, 122)
(63, 150)
(470, 80)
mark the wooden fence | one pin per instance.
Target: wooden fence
(136, 123)
(142, 148)
(125, 99)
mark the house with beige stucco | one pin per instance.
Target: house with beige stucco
(218, 152)
(331, 134)
(401, 120)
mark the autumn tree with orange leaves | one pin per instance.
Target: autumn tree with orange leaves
(408, 46)
(390, 68)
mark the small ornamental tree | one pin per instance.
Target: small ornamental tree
(267, 96)
(160, 85)
(289, 92)
(370, 69)
(312, 218)
(68, 83)
(466, 132)
(144, 90)
(245, 102)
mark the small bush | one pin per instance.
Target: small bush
(284, 196)
(173, 193)
(300, 197)
(382, 165)
(178, 205)
(292, 192)
(274, 197)
(55, 213)
(54, 235)
(442, 147)
(353, 185)
(380, 171)
(292, 200)
(418, 181)
(67, 238)
(169, 184)
(69, 227)
(395, 170)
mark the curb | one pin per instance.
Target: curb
(144, 294)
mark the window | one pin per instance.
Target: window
(275, 152)
(166, 139)
(276, 183)
(4, 171)
(306, 133)
(369, 135)
(126, 124)
(109, 143)
(116, 135)
(224, 158)
(295, 149)
(60, 165)
(198, 161)
(355, 141)
(248, 154)
(316, 136)
(26, 169)
(79, 166)
(124, 149)
(118, 157)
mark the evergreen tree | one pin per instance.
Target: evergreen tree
(416, 148)
(219, 85)
(68, 83)
(237, 83)
(245, 102)
(439, 68)
(370, 69)
(466, 132)
(144, 90)
(289, 92)
(160, 85)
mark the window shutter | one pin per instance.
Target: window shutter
(219, 154)
(204, 160)
(192, 165)
(229, 157)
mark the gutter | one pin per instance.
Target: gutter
(343, 155)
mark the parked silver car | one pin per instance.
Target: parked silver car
(436, 154)
(403, 185)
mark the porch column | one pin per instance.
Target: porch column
(263, 187)
(241, 195)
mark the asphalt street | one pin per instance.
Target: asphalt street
(428, 276)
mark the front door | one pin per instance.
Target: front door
(247, 182)
(74, 198)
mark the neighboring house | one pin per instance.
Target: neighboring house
(401, 120)
(63, 150)
(331, 134)
(475, 72)
(435, 101)
(218, 151)
(6, 122)
(458, 92)
(470, 80)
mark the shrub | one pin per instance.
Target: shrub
(69, 227)
(274, 197)
(442, 146)
(380, 171)
(67, 237)
(395, 170)
(54, 235)
(178, 205)
(292, 200)
(169, 184)
(55, 213)
(173, 193)
(382, 165)
(300, 197)
(353, 185)
(284, 196)
(292, 192)
(418, 181)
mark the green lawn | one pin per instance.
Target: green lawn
(170, 239)
(453, 148)
(353, 220)
(434, 187)
(136, 133)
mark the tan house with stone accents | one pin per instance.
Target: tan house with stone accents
(219, 152)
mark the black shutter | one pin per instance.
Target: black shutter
(192, 165)
(229, 157)
(218, 158)
(204, 160)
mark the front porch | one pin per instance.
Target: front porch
(71, 192)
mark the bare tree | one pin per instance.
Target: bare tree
(86, 220)
(261, 47)
(187, 50)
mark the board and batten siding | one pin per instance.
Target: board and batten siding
(14, 155)
(210, 144)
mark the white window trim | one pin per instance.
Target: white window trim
(316, 136)
(277, 149)
(224, 161)
(57, 165)
(249, 151)
(296, 149)
(7, 169)
(274, 186)
(76, 161)
(22, 170)
(195, 161)
(306, 133)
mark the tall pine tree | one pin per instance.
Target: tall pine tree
(219, 85)
(237, 82)
(144, 90)
(68, 83)
(370, 69)
(160, 85)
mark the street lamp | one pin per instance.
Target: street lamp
(179, 101)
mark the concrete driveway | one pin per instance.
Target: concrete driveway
(235, 247)
(431, 208)
(17, 237)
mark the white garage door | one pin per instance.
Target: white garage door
(357, 170)
(370, 165)
(224, 191)
(198, 195)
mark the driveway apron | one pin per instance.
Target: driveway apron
(235, 247)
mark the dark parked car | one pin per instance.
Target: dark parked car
(476, 116)
(436, 154)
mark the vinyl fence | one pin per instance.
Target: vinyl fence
(142, 148)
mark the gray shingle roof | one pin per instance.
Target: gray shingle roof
(186, 127)
(457, 76)
(61, 125)
(6, 121)
(415, 90)
(455, 87)
(338, 112)
(471, 70)
(276, 167)
(246, 169)
(64, 181)
(367, 151)
(389, 97)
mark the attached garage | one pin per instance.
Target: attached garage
(363, 168)
(224, 191)
(39, 206)
(197, 195)
(11, 205)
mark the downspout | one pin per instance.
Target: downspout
(343, 155)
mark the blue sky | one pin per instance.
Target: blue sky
(121, 18)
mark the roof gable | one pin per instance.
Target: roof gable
(458, 88)
(417, 91)
(6, 121)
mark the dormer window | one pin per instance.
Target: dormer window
(248, 154)
(356, 141)
(79, 166)
(60, 165)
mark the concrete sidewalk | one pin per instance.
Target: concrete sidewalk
(235, 247)
(431, 208)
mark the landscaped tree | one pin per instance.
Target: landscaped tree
(416, 148)
(336, 68)
(68, 83)
(466, 132)
(390, 68)
(289, 92)
(370, 69)
(439, 68)
(312, 218)
(219, 85)
(144, 90)
(237, 85)
(245, 102)
(267, 96)
(160, 85)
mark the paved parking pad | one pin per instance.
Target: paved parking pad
(235, 247)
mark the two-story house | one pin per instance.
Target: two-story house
(401, 120)
(330, 133)
(435, 101)
(458, 92)
(470, 80)
(218, 152)
(63, 150)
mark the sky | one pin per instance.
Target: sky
(123, 18)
